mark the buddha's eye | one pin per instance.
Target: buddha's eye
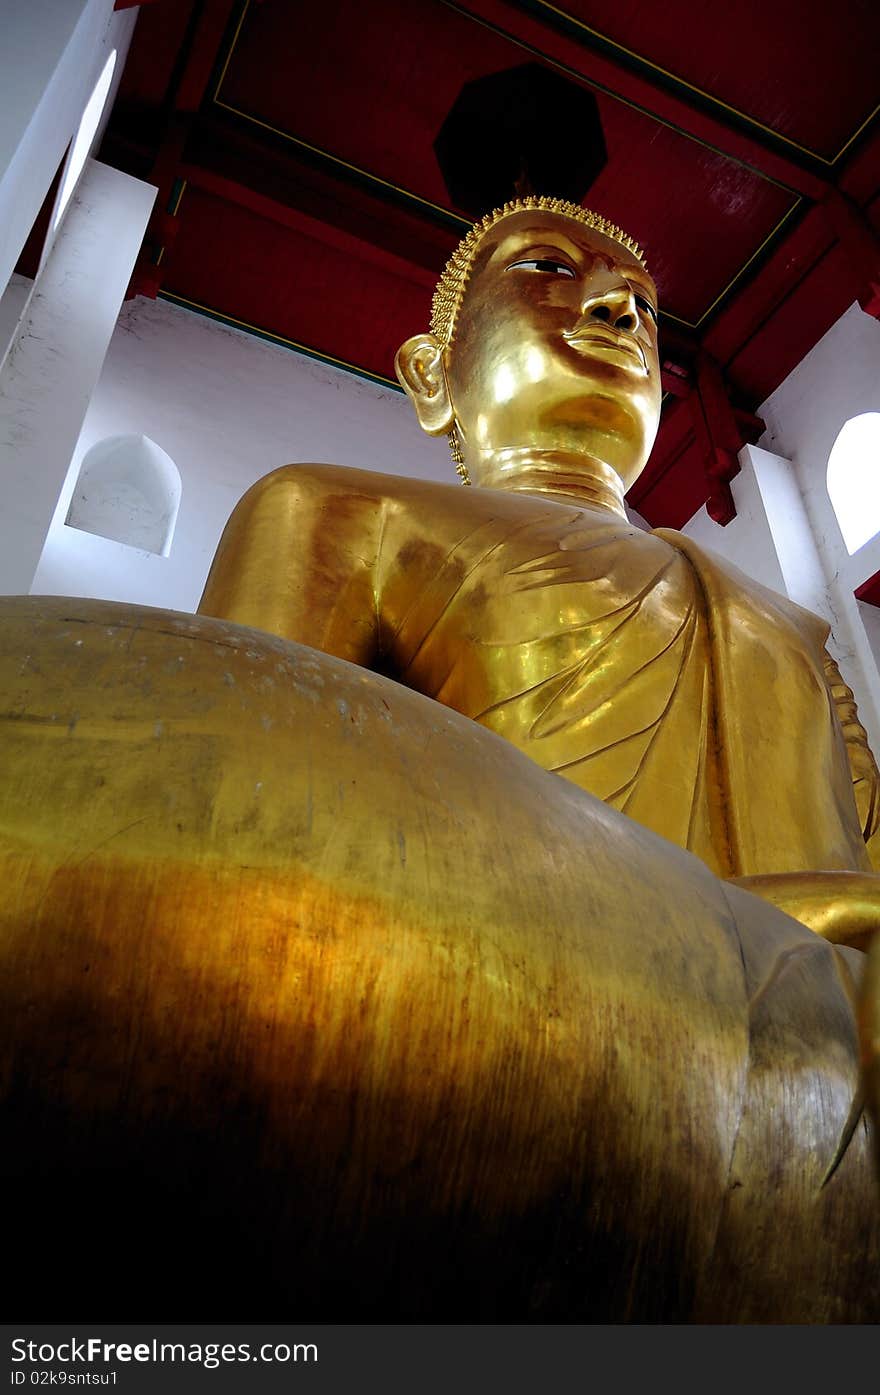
(545, 264)
(646, 307)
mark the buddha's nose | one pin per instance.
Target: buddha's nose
(615, 306)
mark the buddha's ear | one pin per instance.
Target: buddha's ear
(419, 367)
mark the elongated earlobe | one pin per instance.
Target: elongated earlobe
(419, 368)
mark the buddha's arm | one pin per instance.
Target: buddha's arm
(865, 776)
(298, 558)
(841, 906)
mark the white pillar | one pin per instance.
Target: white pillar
(747, 541)
(51, 55)
(799, 560)
(48, 379)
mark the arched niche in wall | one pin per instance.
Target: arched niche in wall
(128, 489)
(853, 479)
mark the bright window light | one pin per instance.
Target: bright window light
(85, 135)
(854, 479)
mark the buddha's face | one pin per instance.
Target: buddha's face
(555, 349)
(556, 346)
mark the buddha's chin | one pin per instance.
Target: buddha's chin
(595, 428)
(613, 407)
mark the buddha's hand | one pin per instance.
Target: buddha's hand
(866, 787)
(843, 907)
(863, 767)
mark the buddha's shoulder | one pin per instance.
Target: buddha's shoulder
(312, 477)
(425, 501)
(438, 508)
(334, 477)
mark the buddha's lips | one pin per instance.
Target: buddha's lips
(607, 339)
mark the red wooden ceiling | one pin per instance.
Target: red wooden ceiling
(804, 72)
(293, 146)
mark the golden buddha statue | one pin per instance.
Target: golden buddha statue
(635, 665)
(307, 964)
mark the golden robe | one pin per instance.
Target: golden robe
(636, 665)
(650, 674)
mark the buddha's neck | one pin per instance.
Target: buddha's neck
(567, 476)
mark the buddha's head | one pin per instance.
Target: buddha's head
(542, 351)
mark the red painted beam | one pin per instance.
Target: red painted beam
(228, 151)
(195, 64)
(861, 178)
(758, 300)
(720, 437)
(673, 487)
(297, 221)
(202, 57)
(862, 247)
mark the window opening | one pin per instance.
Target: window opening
(853, 479)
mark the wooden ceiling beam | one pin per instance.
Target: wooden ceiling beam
(223, 145)
(862, 246)
(195, 62)
(211, 20)
(328, 234)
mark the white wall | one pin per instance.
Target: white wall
(228, 408)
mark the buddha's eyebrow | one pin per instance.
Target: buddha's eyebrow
(519, 244)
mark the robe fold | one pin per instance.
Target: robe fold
(645, 670)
